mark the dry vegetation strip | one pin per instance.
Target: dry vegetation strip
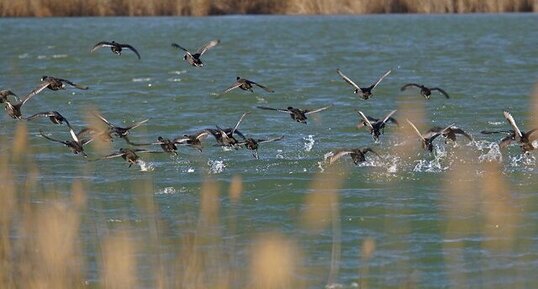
(44, 8)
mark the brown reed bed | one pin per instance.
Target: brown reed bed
(46, 8)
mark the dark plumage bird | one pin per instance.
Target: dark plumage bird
(505, 141)
(194, 58)
(225, 137)
(357, 155)
(14, 109)
(366, 92)
(525, 139)
(115, 47)
(299, 115)
(193, 140)
(76, 144)
(253, 144)
(128, 154)
(425, 91)
(428, 137)
(4, 95)
(376, 126)
(246, 84)
(54, 83)
(450, 132)
(54, 116)
(118, 131)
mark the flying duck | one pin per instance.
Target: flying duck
(120, 132)
(376, 126)
(54, 83)
(450, 132)
(194, 59)
(115, 47)
(425, 91)
(299, 115)
(357, 155)
(525, 139)
(252, 144)
(246, 84)
(76, 145)
(366, 92)
(128, 154)
(54, 116)
(193, 140)
(225, 137)
(428, 137)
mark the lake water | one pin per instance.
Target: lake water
(405, 205)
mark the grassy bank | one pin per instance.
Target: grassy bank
(44, 8)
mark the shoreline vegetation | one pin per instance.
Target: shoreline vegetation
(65, 8)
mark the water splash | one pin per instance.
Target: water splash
(166, 191)
(493, 151)
(435, 165)
(216, 167)
(145, 166)
(309, 142)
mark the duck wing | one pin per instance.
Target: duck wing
(308, 111)
(260, 86)
(381, 78)
(131, 48)
(137, 124)
(101, 45)
(389, 116)
(347, 79)
(275, 109)
(269, 140)
(207, 46)
(104, 120)
(512, 122)
(52, 139)
(416, 130)
(405, 86)
(338, 154)
(180, 47)
(458, 130)
(441, 91)
(83, 87)
(365, 120)
(233, 86)
(238, 123)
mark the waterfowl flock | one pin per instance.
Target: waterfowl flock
(232, 137)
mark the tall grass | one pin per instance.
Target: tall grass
(44, 8)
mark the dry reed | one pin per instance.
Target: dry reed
(45, 8)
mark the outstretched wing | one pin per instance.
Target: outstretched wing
(275, 109)
(405, 86)
(458, 130)
(365, 119)
(233, 86)
(37, 90)
(441, 91)
(270, 140)
(239, 122)
(307, 111)
(416, 130)
(338, 154)
(389, 116)
(51, 139)
(131, 48)
(381, 78)
(83, 87)
(347, 79)
(101, 45)
(179, 47)
(104, 120)
(512, 122)
(260, 86)
(137, 124)
(207, 46)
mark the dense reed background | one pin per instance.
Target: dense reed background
(44, 8)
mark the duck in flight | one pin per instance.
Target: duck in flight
(376, 126)
(246, 84)
(425, 91)
(194, 58)
(193, 140)
(253, 144)
(76, 144)
(118, 131)
(128, 154)
(54, 116)
(299, 115)
(115, 47)
(357, 155)
(428, 137)
(525, 139)
(225, 137)
(366, 92)
(450, 132)
(54, 83)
